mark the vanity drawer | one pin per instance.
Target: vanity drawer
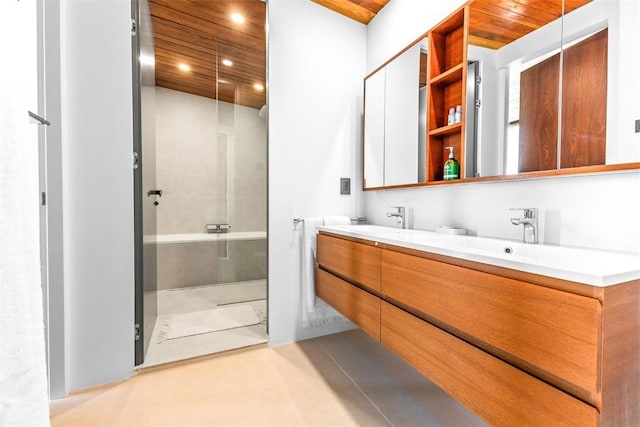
(356, 262)
(359, 306)
(493, 389)
(550, 333)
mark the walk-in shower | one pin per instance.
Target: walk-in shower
(210, 194)
(211, 167)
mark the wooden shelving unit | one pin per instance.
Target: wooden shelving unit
(447, 72)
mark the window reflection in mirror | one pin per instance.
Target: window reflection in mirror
(559, 96)
(539, 137)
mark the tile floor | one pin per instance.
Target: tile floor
(184, 300)
(345, 379)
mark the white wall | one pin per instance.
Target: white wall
(316, 71)
(400, 23)
(592, 211)
(98, 190)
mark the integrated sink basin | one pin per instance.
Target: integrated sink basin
(594, 267)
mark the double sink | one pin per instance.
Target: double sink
(589, 266)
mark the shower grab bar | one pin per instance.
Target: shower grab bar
(358, 220)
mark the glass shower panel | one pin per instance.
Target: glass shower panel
(240, 181)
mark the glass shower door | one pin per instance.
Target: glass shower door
(147, 195)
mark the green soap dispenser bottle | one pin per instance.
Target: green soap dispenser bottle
(451, 166)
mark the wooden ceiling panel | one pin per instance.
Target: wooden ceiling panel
(362, 11)
(200, 34)
(496, 23)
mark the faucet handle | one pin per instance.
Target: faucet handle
(399, 208)
(528, 212)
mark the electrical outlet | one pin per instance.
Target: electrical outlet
(345, 185)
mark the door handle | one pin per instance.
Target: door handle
(154, 193)
(39, 120)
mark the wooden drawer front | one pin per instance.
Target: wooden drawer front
(361, 307)
(496, 391)
(556, 332)
(353, 261)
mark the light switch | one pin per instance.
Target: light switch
(345, 185)
(638, 126)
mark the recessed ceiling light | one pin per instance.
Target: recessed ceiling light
(237, 18)
(258, 86)
(184, 67)
(227, 62)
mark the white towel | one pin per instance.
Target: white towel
(23, 376)
(337, 220)
(315, 312)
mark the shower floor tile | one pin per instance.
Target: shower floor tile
(178, 301)
(184, 300)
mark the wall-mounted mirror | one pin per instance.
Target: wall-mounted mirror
(551, 91)
(395, 120)
(545, 91)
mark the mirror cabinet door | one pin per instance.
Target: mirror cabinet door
(551, 97)
(401, 119)
(392, 127)
(373, 151)
(547, 87)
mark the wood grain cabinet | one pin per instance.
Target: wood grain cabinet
(515, 348)
(358, 262)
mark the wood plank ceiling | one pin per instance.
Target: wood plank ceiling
(200, 34)
(362, 11)
(496, 23)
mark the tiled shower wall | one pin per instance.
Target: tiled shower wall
(210, 263)
(196, 139)
(211, 166)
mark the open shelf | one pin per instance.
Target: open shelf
(450, 76)
(447, 89)
(446, 130)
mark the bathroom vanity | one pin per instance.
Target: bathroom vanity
(517, 340)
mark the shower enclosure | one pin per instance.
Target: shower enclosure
(211, 167)
(203, 212)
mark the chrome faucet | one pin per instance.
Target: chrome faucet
(530, 222)
(399, 214)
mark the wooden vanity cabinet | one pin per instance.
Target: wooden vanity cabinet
(340, 260)
(551, 332)
(358, 262)
(357, 305)
(515, 348)
(496, 391)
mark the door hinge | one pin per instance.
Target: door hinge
(135, 160)
(478, 79)
(134, 27)
(43, 198)
(136, 332)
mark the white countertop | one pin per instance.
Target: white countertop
(582, 265)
